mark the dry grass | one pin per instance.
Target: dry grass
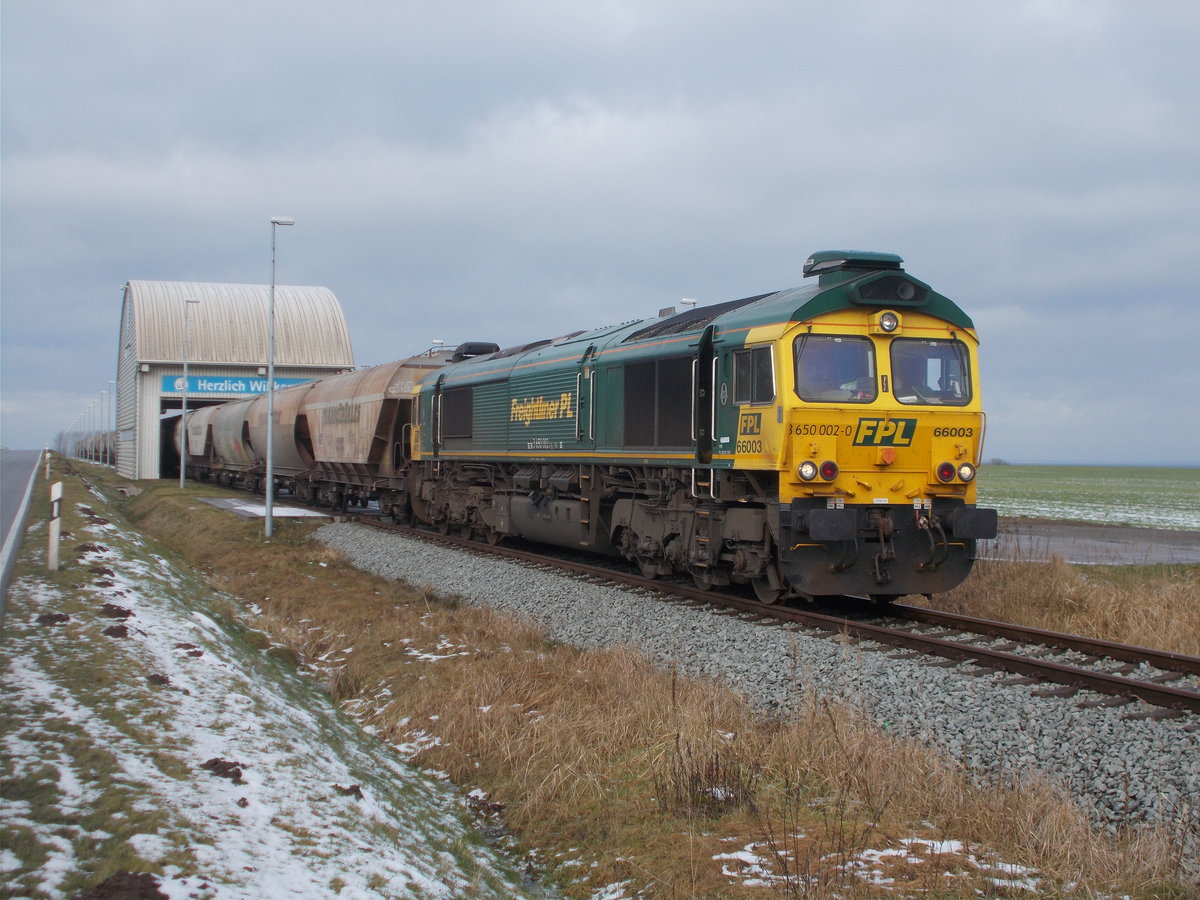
(621, 772)
(1151, 606)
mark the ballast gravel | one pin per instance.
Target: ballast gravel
(1124, 771)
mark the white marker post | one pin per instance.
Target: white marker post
(55, 525)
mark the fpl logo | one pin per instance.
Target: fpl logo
(884, 432)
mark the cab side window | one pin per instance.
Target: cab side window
(753, 376)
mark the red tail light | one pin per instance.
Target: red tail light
(945, 472)
(829, 470)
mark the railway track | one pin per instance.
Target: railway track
(1108, 668)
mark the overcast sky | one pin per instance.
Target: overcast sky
(508, 171)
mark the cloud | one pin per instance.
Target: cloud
(533, 169)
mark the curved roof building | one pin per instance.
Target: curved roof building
(224, 338)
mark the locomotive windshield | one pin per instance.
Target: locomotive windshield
(931, 372)
(834, 369)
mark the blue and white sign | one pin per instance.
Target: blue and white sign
(223, 384)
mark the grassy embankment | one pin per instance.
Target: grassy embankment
(1150, 606)
(620, 772)
(132, 703)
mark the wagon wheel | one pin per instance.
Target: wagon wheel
(492, 536)
(443, 526)
(703, 578)
(647, 566)
(765, 591)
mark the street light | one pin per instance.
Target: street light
(102, 449)
(267, 522)
(91, 442)
(183, 450)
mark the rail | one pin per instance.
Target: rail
(1117, 684)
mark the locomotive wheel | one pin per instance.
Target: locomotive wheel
(703, 579)
(648, 567)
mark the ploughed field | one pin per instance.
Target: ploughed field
(1167, 498)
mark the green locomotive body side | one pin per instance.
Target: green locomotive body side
(617, 393)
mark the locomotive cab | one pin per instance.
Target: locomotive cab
(884, 434)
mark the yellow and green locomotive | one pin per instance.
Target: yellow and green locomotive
(816, 441)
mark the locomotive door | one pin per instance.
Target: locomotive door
(703, 405)
(585, 394)
(590, 513)
(435, 415)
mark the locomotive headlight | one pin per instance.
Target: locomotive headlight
(886, 322)
(946, 472)
(807, 470)
(829, 470)
(966, 472)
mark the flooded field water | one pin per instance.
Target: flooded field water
(1111, 495)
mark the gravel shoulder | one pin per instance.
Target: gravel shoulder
(1123, 771)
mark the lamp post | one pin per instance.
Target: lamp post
(183, 448)
(267, 520)
(102, 447)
